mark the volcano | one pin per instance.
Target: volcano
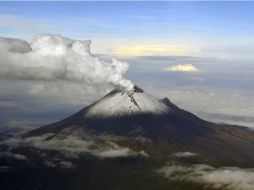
(136, 114)
(118, 141)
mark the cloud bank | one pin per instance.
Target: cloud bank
(184, 154)
(153, 49)
(229, 178)
(182, 68)
(54, 57)
(74, 145)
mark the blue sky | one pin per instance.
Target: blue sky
(225, 17)
(202, 27)
(199, 54)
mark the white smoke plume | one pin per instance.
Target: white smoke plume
(54, 57)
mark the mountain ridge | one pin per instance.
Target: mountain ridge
(176, 127)
(122, 151)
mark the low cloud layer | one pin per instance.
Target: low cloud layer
(68, 147)
(13, 155)
(184, 154)
(59, 164)
(181, 68)
(54, 57)
(228, 178)
(74, 145)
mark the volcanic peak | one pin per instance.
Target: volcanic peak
(120, 102)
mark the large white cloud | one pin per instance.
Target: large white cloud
(53, 57)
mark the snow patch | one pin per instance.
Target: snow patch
(123, 103)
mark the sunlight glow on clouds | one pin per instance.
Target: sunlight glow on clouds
(153, 49)
(182, 68)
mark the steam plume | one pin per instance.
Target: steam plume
(54, 57)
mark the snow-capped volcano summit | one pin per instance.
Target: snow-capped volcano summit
(120, 102)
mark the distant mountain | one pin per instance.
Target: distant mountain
(127, 134)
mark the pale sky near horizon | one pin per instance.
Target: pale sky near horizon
(199, 54)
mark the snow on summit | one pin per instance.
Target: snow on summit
(120, 102)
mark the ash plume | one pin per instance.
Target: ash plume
(54, 57)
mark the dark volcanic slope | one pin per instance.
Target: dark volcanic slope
(172, 130)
